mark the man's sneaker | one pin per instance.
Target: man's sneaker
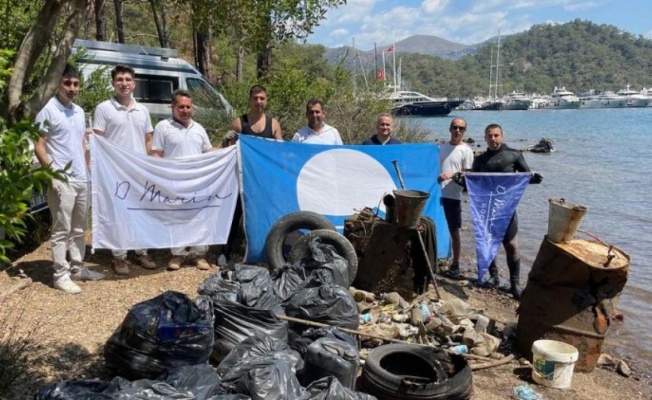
(66, 285)
(120, 266)
(84, 274)
(145, 261)
(175, 263)
(202, 264)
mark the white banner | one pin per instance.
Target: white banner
(142, 202)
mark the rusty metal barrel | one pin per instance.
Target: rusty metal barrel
(571, 293)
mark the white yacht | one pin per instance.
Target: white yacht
(517, 101)
(634, 98)
(606, 99)
(561, 98)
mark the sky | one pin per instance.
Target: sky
(468, 21)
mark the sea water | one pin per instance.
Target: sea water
(603, 161)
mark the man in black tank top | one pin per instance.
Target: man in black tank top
(500, 158)
(256, 122)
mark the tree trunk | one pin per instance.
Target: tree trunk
(160, 20)
(203, 39)
(100, 21)
(239, 66)
(119, 24)
(33, 45)
(264, 61)
(64, 48)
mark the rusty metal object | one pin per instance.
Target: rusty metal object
(570, 296)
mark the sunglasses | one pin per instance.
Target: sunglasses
(459, 128)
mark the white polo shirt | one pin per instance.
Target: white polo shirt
(327, 135)
(123, 126)
(175, 140)
(63, 129)
(454, 159)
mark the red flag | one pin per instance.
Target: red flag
(390, 48)
(380, 76)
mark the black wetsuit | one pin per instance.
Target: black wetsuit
(268, 132)
(505, 159)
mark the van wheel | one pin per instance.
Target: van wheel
(403, 371)
(341, 244)
(286, 225)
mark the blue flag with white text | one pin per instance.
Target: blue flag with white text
(493, 198)
(279, 178)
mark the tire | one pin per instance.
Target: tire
(402, 371)
(342, 247)
(284, 226)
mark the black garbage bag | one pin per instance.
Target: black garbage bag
(287, 278)
(329, 388)
(200, 380)
(323, 302)
(75, 390)
(248, 285)
(300, 342)
(264, 378)
(322, 256)
(258, 347)
(167, 331)
(244, 305)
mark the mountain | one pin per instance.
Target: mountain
(419, 44)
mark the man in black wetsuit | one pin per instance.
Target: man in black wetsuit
(255, 122)
(500, 158)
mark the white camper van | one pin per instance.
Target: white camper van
(158, 73)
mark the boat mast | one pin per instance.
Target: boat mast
(394, 59)
(497, 68)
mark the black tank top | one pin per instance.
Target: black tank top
(266, 133)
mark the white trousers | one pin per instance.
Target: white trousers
(68, 203)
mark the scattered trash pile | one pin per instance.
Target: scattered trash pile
(288, 334)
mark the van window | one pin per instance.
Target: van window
(155, 89)
(204, 95)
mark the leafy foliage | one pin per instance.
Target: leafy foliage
(19, 180)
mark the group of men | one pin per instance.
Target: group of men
(122, 120)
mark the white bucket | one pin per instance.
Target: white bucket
(563, 220)
(553, 363)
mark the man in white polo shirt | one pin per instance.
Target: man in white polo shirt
(62, 127)
(127, 123)
(317, 131)
(180, 136)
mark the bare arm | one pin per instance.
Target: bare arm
(236, 125)
(148, 142)
(276, 129)
(156, 153)
(39, 151)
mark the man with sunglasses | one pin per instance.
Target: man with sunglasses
(455, 156)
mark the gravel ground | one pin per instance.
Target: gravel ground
(72, 329)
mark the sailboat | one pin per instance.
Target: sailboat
(493, 103)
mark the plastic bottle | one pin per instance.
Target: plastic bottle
(460, 349)
(425, 311)
(367, 318)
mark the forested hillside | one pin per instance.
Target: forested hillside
(579, 55)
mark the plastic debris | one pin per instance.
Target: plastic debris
(525, 392)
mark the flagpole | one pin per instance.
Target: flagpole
(376, 60)
(394, 58)
(384, 72)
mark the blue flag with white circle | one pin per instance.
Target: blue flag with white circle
(279, 178)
